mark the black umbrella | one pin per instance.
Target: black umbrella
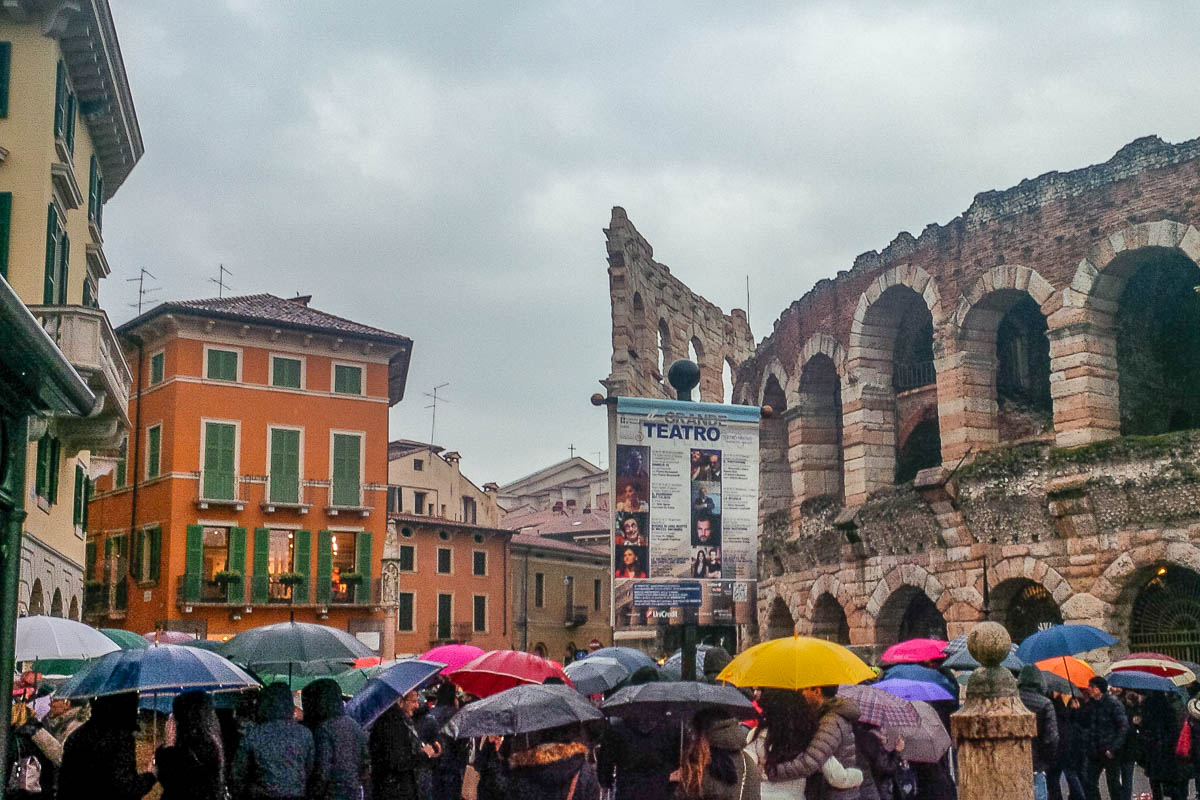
(523, 709)
(677, 698)
(296, 648)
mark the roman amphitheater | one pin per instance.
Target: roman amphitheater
(995, 419)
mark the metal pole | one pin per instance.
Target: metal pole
(684, 375)
(15, 441)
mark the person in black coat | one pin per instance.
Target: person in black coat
(450, 764)
(1032, 688)
(1069, 756)
(193, 767)
(275, 757)
(1162, 721)
(397, 752)
(1107, 726)
(492, 765)
(555, 768)
(637, 756)
(99, 759)
(342, 764)
(879, 764)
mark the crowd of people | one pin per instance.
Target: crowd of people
(802, 744)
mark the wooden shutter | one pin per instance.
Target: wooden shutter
(93, 176)
(285, 465)
(302, 556)
(55, 468)
(89, 562)
(135, 556)
(218, 460)
(153, 451)
(346, 449)
(261, 582)
(5, 230)
(236, 592)
(87, 501)
(5, 74)
(77, 510)
(48, 293)
(324, 565)
(155, 554)
(122, 463)
(193, 564)
(60, 100)
(364, 561)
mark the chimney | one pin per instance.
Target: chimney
(301, 299)
(558, 507)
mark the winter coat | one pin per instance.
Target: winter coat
(448, 767)
(276, 756)
(1162, 720)
(396, 755)
(879, 765)
(99, 759)
(190, 772)
(1079, 738)
(545, 772)
(642, 754)
(493, 772)
(1032, 688)
(63, 725)
(726, 740)
(1107, 725)
(834, 737)
(342, 762)
(1193, 721)
(934, 781)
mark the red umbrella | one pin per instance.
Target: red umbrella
(498, 670)
(1156, 664)
(914, 651)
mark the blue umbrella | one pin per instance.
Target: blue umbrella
(915, 672)
(1140, 681)
(629, 658)
(673, 669)
(389, 686)
(166, 669)
(1062, 640)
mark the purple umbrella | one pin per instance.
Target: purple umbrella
(913, 690)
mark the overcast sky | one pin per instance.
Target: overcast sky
(444, 170)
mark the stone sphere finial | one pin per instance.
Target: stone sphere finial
(989, 643)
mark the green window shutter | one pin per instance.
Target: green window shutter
(347, 380)
(155, 554)
(5, 74)
(5, 230)
(153, 451)
(404, 611)
(302, 555)
(157, 363)
(218, 460)
(222, 365)
(261, 582)
(69, 133)
(100, 202)
(48, 291)
(285, 373)
(135, 556)
(193, 563)
(237, 563)
(93, 177)
(64, 268)
(42, 477)
(87, 501)
(363, 559)
(324, 565)
(55, 468)
(89, 561)
(60, 99)
(119, 472)
(77, 510)
(346, 450)
(285, 466)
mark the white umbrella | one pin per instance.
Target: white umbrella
(54, 637)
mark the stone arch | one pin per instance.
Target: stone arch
(900, 312)
(1006, 299)
(37, 599)
(829, 620)
(638, 338)
(728, 379)
(780, 622)
(1028, 568)
(895, 593)
(666, 352)
(1110, 601)
(1083, 333)
(830, 584)
(782, 378)
(74, 611)
(825, 344)
(775, 475)
(56, 604)
(815, 429)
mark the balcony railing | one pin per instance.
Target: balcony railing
(576, 616)
(913, 375)
(348, 497)
(447, 632)
(220, 488)
(196, 590)
(107, 599)
(357, 594)
(86, 338)
(287, 492)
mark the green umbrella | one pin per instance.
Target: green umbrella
(126, 640)
(353, 680)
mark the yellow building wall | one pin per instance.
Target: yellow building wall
(444, 484)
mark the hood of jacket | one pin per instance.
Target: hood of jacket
(275, 703)
(727, 734)
(549, 765)
(322, 700)
(1031, 677)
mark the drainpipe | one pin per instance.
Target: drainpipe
(137, 442)
(525, 605)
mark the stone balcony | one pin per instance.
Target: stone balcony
(86, 338)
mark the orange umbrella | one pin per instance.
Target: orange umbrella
(1069, 667)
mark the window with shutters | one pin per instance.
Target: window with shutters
(157, 367)
(5, 72)
(445, 615)
(539, 590)
(287, 372)
(347, 379)
(95, 193)
(47, 467)
(80, 497)
(479, 614)
(60, 101)
(122, 464)
(5, 230)
(145, 555)
(215, 559)
(281, 558)
(470, 513)
(405, 621)
(283, 482)
(445, 560)
(222, 365)
(218, 478)
(343, 563)
(408, 558)
(153, 451)
(347, 470)
(479, 562)
(395, 500)
(54, 284)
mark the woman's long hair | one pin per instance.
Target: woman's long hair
(700, 758)
(789, 721)
(197, 729)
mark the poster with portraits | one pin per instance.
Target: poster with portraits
(685, 512)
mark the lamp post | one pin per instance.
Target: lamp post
(684, 375)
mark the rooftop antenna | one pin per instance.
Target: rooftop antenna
(142, 290)
(747, 298)
(571, 448)
(599, 460)
(220, 280)
(433, 424)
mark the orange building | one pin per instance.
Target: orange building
(254, 482)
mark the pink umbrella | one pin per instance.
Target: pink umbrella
(169, 637)
(452, 655)
(914, 651)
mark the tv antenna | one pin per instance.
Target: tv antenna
(220, 280)
(433, 405)
(599, 460)
(142, 289)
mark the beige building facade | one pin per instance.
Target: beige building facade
(424, 480)
(561, 597)
(69, 137)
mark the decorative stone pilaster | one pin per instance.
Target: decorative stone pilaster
(993, 730)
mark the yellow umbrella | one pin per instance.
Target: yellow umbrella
(796, 662)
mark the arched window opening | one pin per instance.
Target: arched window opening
(74, 614)
(775, 473)
(912, 354)
(664, 348)
(696, 356)
(908, 614)
(726, 381)
(779, 620)
(1024, 607)
(774, 396)
(56, 604)
(1158, 343)
(820, 429)
(637, 336)
(922, 449)
(829, 620)
(1166, 614)
(37, 600)
(1023, 358)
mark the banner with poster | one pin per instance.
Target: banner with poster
(685, 513)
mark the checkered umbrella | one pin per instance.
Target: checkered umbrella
(877, 707)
